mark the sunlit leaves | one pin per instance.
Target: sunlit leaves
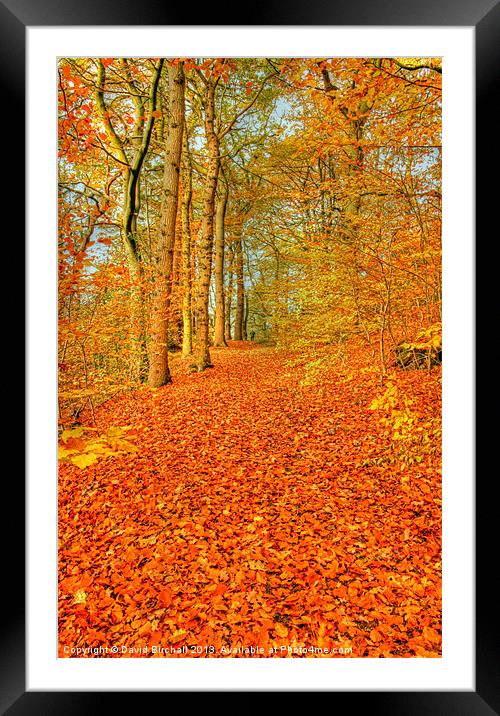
(83, 447)
(248, 517)
(285, 498)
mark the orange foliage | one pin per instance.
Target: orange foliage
(259, 517)
(286, 503)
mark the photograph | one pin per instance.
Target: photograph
(249, 301)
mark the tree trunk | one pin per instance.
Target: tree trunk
(245, 320)
(229, 296)
(187, 193)
(240, 290)
(159, 373)
(139, 362)
(202, 358)
(219, 338)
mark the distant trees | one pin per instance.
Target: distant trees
(354, 236)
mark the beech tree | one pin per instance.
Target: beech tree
(187, 193)
(209, 84)
(219, 331)
(159, 373)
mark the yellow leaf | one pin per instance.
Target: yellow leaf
(127, 446)
(64, 452)
(114, 432)
(80, 596)
(74, 433)
(84, 460)
(281, 630)
(256, 564)
(178, 635)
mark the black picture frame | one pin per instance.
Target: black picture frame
(484, 15)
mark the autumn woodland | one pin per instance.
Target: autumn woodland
(249, 345)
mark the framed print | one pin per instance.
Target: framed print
(226, 524)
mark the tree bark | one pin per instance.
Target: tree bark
(202, 357)
(240, 289)
(159, 372)
(245, 320)
(229, 296)
(187, 193)
(219, 338)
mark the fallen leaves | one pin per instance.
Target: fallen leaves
(223, 534)
(82, 447)
(165, 597)
(281, 630)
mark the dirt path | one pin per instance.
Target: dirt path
(249, 520)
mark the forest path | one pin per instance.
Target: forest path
(248, 517)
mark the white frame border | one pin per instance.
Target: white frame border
(455, 670)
